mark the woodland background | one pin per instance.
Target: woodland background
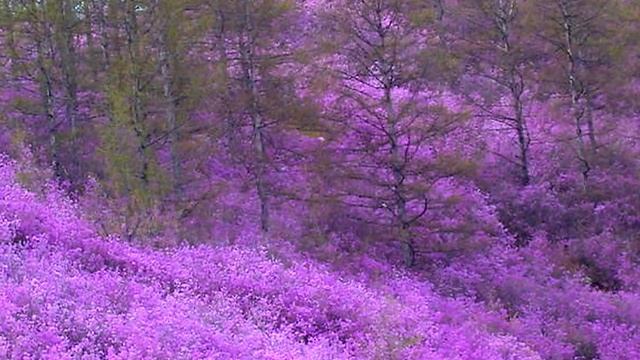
(279, 179)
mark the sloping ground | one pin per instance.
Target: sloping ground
(67, 294)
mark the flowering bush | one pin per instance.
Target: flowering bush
(67, 293)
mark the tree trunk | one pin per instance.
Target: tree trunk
(397, 169)
(47, 101)
(100, 7)
(523, 140)
(69, 76)
(577, 103)
(248, 64)
(131, 28)
(504, 15)
(167, 71)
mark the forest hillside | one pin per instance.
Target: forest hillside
(320, 179)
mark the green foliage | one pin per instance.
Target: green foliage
(131, 170)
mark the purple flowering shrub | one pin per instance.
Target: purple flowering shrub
(556, 312)
(68, 293)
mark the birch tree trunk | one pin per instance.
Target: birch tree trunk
(576, 90)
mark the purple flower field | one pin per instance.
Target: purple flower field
(320, 179)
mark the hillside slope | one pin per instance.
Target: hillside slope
(66, 293)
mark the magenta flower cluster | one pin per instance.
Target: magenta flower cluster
(67, 293)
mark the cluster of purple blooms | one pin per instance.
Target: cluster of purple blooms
(67, 293)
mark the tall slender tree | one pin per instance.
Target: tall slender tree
(498, 57)
(255, 50)
(389, 120)
(29, 36)
(581, 47)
